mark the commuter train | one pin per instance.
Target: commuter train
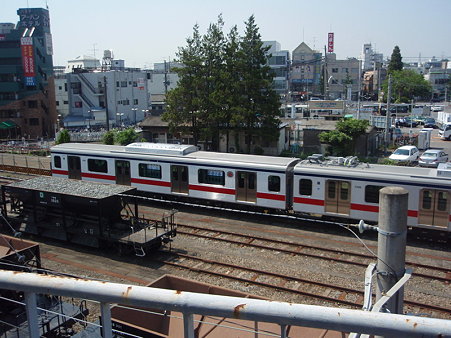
(337, 188)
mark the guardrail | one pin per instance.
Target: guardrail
(189, 303)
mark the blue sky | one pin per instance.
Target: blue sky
(143, 32)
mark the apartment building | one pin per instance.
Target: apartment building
(27, 95)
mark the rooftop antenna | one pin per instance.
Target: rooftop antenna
(94, 48)
(303, 38)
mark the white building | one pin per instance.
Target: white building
(370, 59)
(82, 62)
(279, 63)
(122, 95)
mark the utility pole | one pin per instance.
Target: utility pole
(359, 89)
(106, 104)
(391, 248)
(387, 115)
(326, 96)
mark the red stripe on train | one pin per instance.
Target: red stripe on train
(99, 176)
(273, 197)
(212, 189)
(363, 207)
(151, 182)
(311, 201)
(412, 213)
(60, 172)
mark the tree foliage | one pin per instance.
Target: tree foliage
(63, 137)
(108, 137)
(126, 136)
(224, 85)
(408, 85)
(395, 61)
(342, 140)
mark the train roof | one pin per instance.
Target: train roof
(172, 150)
(338, 167)
(65, 186)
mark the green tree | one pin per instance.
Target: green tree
(108, 137)
(183, 102)
(395, 60)
(343, 139)
(63, 137)
(258, 110)
(224, 84)
(126, 136)
(408, 85)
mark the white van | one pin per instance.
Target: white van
(445, 131)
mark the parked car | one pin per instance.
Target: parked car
(405, 154)
(432, 158)
(430, 123)
(411, 123)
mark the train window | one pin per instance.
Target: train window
(427, 200)
(372, 193)
(211, 176)
(442, 201)
(100, 166)
(273, 183)
(344, 191)
(57, 161)
(331, 189)
(305, 187)
(149, 170)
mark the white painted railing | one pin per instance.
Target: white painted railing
(189, 303)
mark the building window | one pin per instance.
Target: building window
(123, 83)
(344, 70)
(34, 121)
(149, 170)
(117, 84)
(135, 101)
(99, 166)
(334, 70)
(66, 102)
(57, 161)
(305, 187)
(126, 102)
(211, 176)
(32, 104)
(273, 183)
(57, 103)
(372, 193)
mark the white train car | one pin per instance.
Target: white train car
(353, 191)
(262, 181)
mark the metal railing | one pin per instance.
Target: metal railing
(189, 303)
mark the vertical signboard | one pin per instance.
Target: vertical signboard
(330, 43)
(141, 83)
(26, 46)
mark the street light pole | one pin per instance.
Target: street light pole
(134, 114)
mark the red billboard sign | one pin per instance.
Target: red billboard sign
(26, 45)
(330, 43)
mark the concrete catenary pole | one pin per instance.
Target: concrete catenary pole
(387, 117)
(391, 250)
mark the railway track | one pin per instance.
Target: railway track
(313, 251)
(332, 294)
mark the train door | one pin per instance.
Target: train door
(74, 166)
(179, 179)
(338, 197)
(246, 186)
(123, 172)
(434, 207)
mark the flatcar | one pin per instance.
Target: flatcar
(337, 188)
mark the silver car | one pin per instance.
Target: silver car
(432, 157)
